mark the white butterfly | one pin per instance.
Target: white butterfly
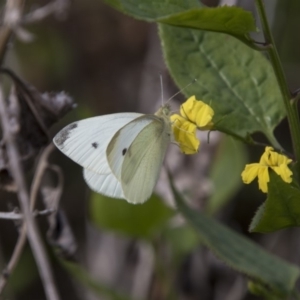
(121, 153)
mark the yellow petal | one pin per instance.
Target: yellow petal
(266, 157)
(284, 172)
(263, 179)
(282, 159)
(185, 134)
(271, 158)
(197, 112)
(250, 172)
(276, 159)
(278, 162)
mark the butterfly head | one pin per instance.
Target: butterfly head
(164, 111)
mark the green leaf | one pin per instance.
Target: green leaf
(231, 20)
(224, 187)
(296, 176)
(190, 13)
(239, 252)
(140, 221)
(281, 208)
(116, 4)
(236, 81)
(85, 279)
(259, 290)
(151, 10)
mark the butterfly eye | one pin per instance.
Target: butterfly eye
(95, 145)
(124, 151)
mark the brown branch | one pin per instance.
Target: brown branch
(15, 216)
(60, 177)
(33, 233)
(11, 215)
(23, 232)
(42, 166)
(12, 16)
(28, 97)
(56, 7)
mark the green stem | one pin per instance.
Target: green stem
(291, 111)
(274, 141)
(252, 43)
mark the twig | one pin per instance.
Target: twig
(54, 7)
(23, 232)
(13, 215)
(28, 97)
(42, 166)
(60, 177)
(12, 16)
(33, 234)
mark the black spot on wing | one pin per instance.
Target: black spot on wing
(63, 135)
(95, 145)
(124, 151)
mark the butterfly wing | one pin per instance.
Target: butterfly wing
(85, 141)
(121, 153)
(120, 143)
(106, 184)
(143, 160)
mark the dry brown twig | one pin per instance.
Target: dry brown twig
(57, 7)
(12, 15)
(13, 20)
(23, 196)
(11, 25)
(16, 215)
(41, 168)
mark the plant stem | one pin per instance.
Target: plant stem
(291, 111)
(274, 142)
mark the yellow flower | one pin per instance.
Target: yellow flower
(194, 114)
(197, 112)
(269, 159)
(185, 134)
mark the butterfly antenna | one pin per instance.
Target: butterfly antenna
(182, 89)
(162, 89)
